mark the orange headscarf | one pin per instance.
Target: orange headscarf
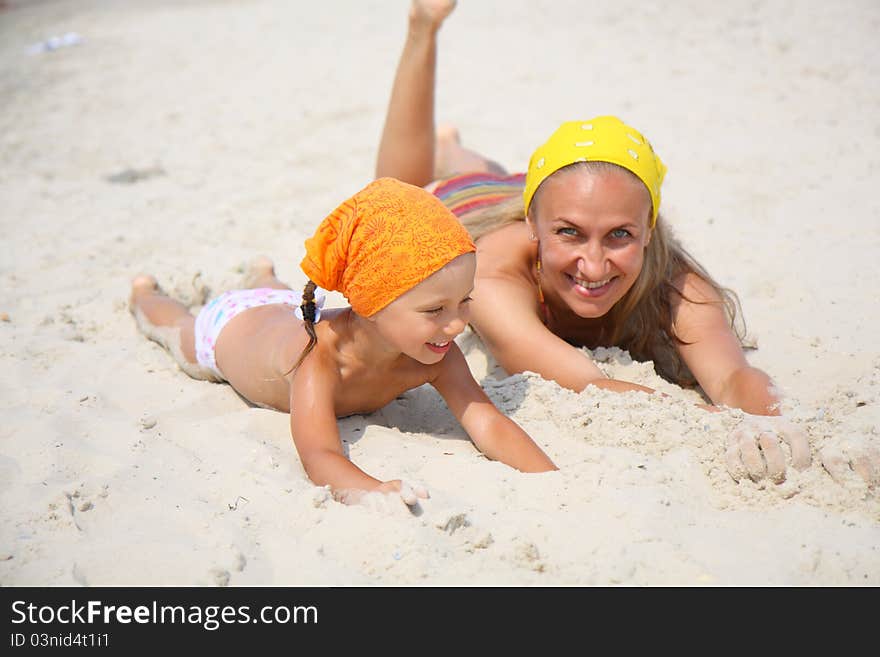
(381, 242)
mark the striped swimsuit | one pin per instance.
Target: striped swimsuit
(467, 192)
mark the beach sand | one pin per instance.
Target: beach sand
(184, 138)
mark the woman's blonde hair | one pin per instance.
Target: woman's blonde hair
(642, 321)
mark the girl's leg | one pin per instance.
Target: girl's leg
(261, 273)
(406, 150)
(168, 322)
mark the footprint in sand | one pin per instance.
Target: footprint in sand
(221, 575)
(77, 503)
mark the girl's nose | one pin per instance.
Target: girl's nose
(455, 326)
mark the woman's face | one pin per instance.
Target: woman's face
(592, 229)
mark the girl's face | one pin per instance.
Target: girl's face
(423, 321)
(592, 229)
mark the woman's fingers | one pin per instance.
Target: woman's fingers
(744, 457)
(755, 449)
(771, 449)
(732, 458)
(864, 462)
(798, 444)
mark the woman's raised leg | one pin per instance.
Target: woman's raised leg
(412, 148)
(406, 149)
(451, 158)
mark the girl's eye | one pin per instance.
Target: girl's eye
(467, 300)
(620, 233)
(433, 311)
(570, 232)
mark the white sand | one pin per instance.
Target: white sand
(262, 115)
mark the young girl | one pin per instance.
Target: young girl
(406, 266)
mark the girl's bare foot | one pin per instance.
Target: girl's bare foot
(167, 322)
(141, 285)
(430, 13)
(260, 272)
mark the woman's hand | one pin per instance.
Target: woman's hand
(843, 463)
(755, 450)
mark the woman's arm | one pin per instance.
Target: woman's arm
(502, 313)
(493, 433)
(715, 357)
(713, 353)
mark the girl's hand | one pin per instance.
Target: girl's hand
(410, 493)
(754, 449)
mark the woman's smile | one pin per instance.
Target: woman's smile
(591, 289)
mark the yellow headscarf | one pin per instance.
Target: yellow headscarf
(381, 242)
(601, 139)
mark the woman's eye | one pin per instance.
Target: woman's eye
(570, 232)
(467, 300)
(619, 233)
(433, 311)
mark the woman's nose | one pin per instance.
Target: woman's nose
(592, 262)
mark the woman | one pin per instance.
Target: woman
(576, 254)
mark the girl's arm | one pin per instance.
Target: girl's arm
(315, 434)
(493, 433)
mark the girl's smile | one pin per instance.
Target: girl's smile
(439, 348)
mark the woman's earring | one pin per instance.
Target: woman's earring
(531, 227)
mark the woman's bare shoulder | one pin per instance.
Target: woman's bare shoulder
(697, 308)
(506, 252)
(693, 288)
